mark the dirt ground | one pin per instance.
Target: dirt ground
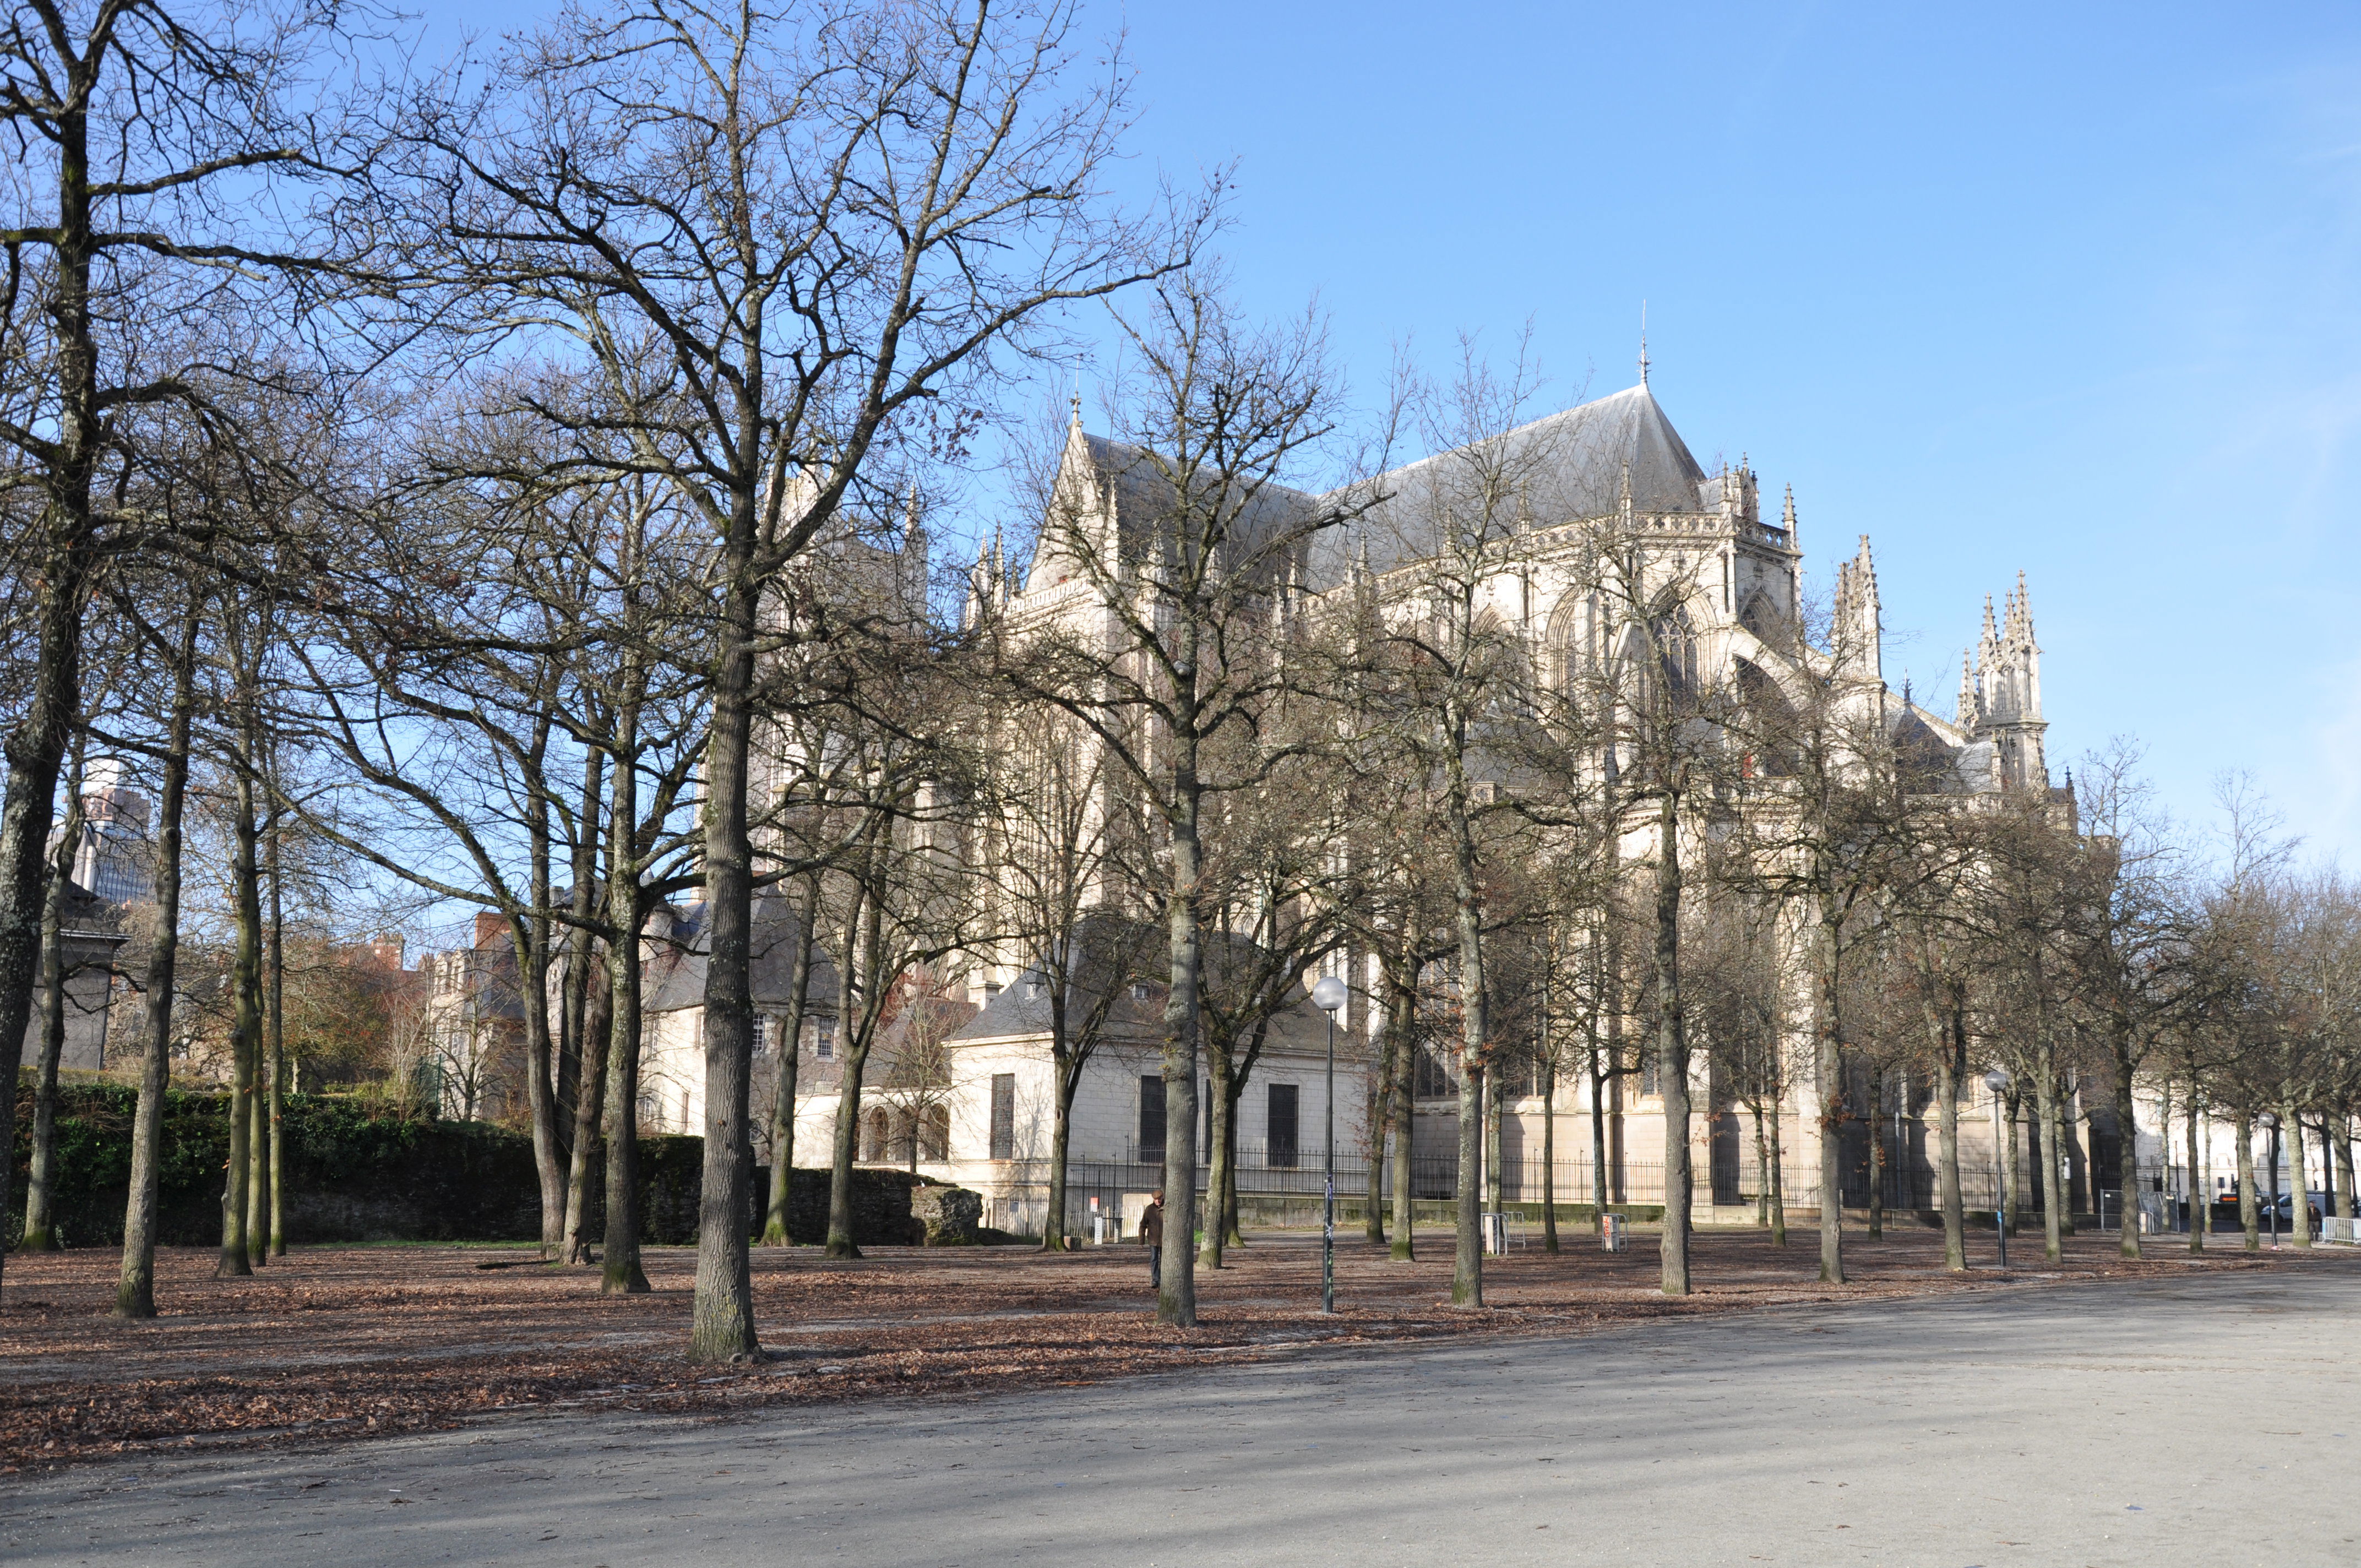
(350, 1342)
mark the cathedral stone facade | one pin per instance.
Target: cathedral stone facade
(986, 1125)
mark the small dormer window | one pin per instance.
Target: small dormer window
(824, 1041)
(1140, 991)
(1032, 989)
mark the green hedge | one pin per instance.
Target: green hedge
(353, 1176)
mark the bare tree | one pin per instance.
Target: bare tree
(136, 1292)
(1813, 751)
(811, 224)
(135, 225)
(1054, 842)
(1184, 547)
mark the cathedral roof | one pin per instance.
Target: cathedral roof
(1139, 489)
(1569, 466)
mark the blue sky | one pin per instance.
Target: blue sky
(2074, 291)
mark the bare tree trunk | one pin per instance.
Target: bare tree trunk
(1597, 1140)
(791, 1051)
(1401, 1003)
(1949, 1053)
(35, 744)
(1221, 1105)
(2300, 1184)
(573, 1043)
(2328, 1171)
(2250, 1212)
(40, 1224)
(274, 961)
(1778, 1179)
(530, 934)
(134, 1293)
(1549, 1152)
(1828, 1067)
(1494, 1181)
(844, 1148)
(862, 983)
(257, 1189)
(1061, 1132)
(2011, 1160)
(2340, 1138)
(598, 1027)
(1232, 1234)
(1468, 1256)
(722, 1323)
(1762, 1168)
(1672, 1054)
(619, 1258)
(2127, 1153)
(1176, 1295)
(1947, 1156)
(1877, 1155)
(2201, 1199)
(245, 1032)
(1474, 1040)
(621, 1272)
(2053, 1194)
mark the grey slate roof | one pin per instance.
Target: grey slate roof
(1022, 1009)
(675, 977)
(1141, 489)
(1568, 466)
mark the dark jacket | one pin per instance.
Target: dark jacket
(1151, 1224)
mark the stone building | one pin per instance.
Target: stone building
(975, 1108)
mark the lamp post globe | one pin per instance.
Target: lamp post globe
(1998, 1080)
(1329, 995)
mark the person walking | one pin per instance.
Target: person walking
(1152, 1231)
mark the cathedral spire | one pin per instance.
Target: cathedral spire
(1964, 716)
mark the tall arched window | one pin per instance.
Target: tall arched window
(935, 1134)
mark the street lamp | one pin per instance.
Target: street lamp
(1329, 994)
(2269, 1123)
(1997, 1081)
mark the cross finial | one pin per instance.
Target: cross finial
(1643, 343)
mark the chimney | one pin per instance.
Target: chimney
(490, 927)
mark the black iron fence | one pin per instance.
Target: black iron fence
(1433, 1178)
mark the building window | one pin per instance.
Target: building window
(1003, 1116)
(1151, 1117)
(876, 1136)
(824, 1039)
(1278, 1133)
(935, 1134)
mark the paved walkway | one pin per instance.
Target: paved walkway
(2206, 1421)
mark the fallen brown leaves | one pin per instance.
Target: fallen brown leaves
(338, 1341)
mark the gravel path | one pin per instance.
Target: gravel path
(2211, 1419)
